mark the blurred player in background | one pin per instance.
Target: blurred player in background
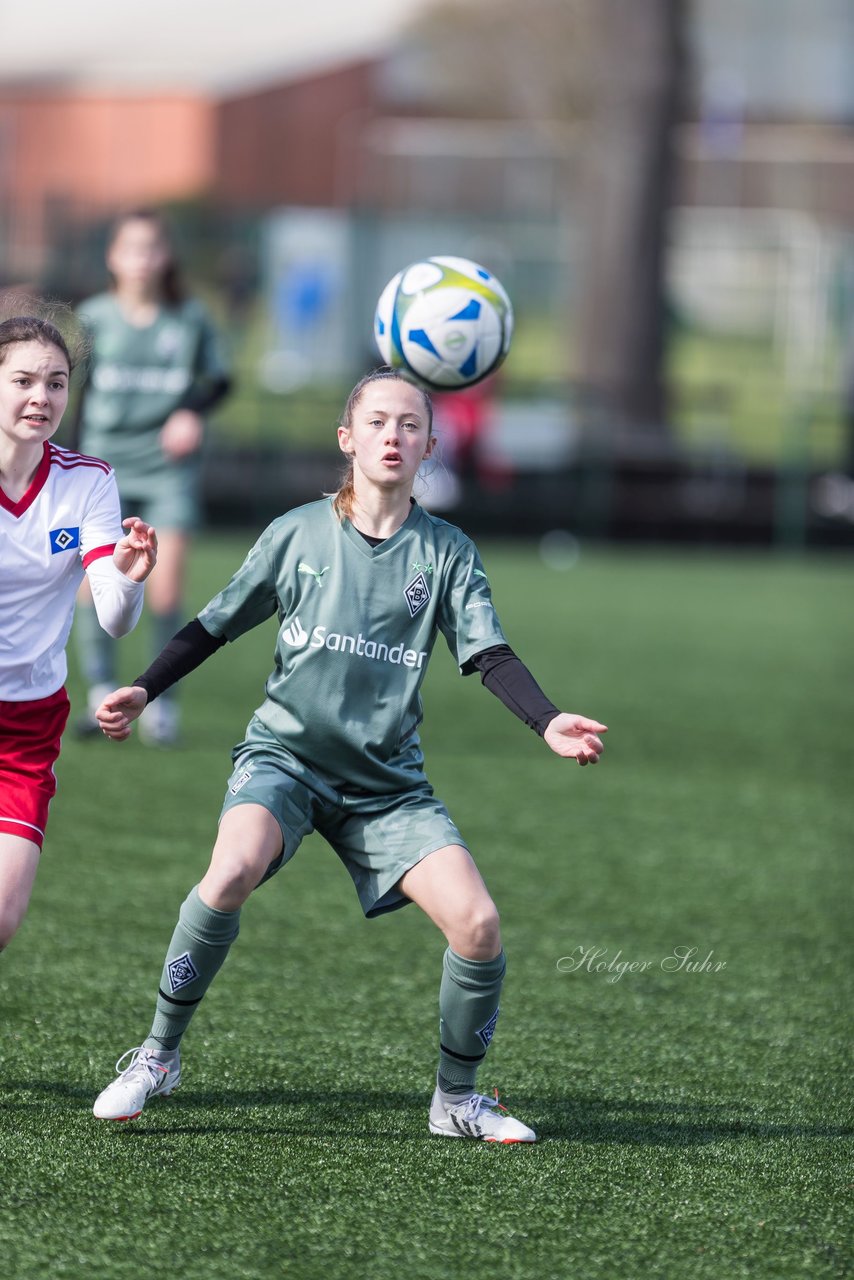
(157, 367)
(464, 423)
(59, 520)
(362, 585)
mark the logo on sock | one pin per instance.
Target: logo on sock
(486, 1033)
(182, 972)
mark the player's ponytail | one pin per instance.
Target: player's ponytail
(342, 499)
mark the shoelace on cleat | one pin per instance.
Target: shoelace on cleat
(478, 1102)
(142, 1061)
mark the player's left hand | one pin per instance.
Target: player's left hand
(575, 738)
(182, 434)
(135, 554)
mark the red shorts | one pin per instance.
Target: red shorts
(30, 734)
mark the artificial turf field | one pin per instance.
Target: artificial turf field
(693, 1125)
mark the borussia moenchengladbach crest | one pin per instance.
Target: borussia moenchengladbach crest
(417, 594)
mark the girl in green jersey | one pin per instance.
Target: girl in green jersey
(361, 586)
(156, 368)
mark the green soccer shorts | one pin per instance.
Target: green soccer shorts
(170, 499)
(377, 837)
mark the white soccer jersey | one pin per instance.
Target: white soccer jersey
(69, 517)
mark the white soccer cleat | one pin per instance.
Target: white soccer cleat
(150, 1072)
(476, 1116)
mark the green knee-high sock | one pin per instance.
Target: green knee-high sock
(468, 1011)
(198, 948)
(96, 651)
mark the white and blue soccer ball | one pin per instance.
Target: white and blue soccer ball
(446, 321)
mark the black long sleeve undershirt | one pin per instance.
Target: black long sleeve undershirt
(500, 671)
(206, 393)
(187, 649)
(506, 676)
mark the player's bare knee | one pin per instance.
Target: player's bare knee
(229, 882)
(477, 932)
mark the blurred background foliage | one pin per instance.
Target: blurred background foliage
(664, 188)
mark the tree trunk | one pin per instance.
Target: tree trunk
(638, 62)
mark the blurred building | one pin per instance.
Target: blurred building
(318, 186)
(70, 156)
(769, 126)
(293, 143)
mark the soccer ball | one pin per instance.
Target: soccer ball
(446, 321)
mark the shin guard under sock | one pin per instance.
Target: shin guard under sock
(196, 953)
(468, 1012)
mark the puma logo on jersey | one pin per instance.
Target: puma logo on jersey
(295, 635)
(317, 574)
(478, 573)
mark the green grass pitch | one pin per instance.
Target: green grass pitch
(694, 1125)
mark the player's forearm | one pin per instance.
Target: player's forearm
(187, 649)
(507, 677)
(203, 396)
(117, 599)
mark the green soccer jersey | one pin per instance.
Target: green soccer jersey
(357, 626)
(139, 376)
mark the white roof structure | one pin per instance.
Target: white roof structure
(191, 46)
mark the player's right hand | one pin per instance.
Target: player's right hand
(181, 434)
(118, 711)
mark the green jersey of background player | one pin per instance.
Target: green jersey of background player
(157, 367)
(362, 585)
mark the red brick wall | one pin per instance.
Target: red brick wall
(291, 144)
(95, 153)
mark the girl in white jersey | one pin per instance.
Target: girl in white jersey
(59, 521)
(361, 585)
